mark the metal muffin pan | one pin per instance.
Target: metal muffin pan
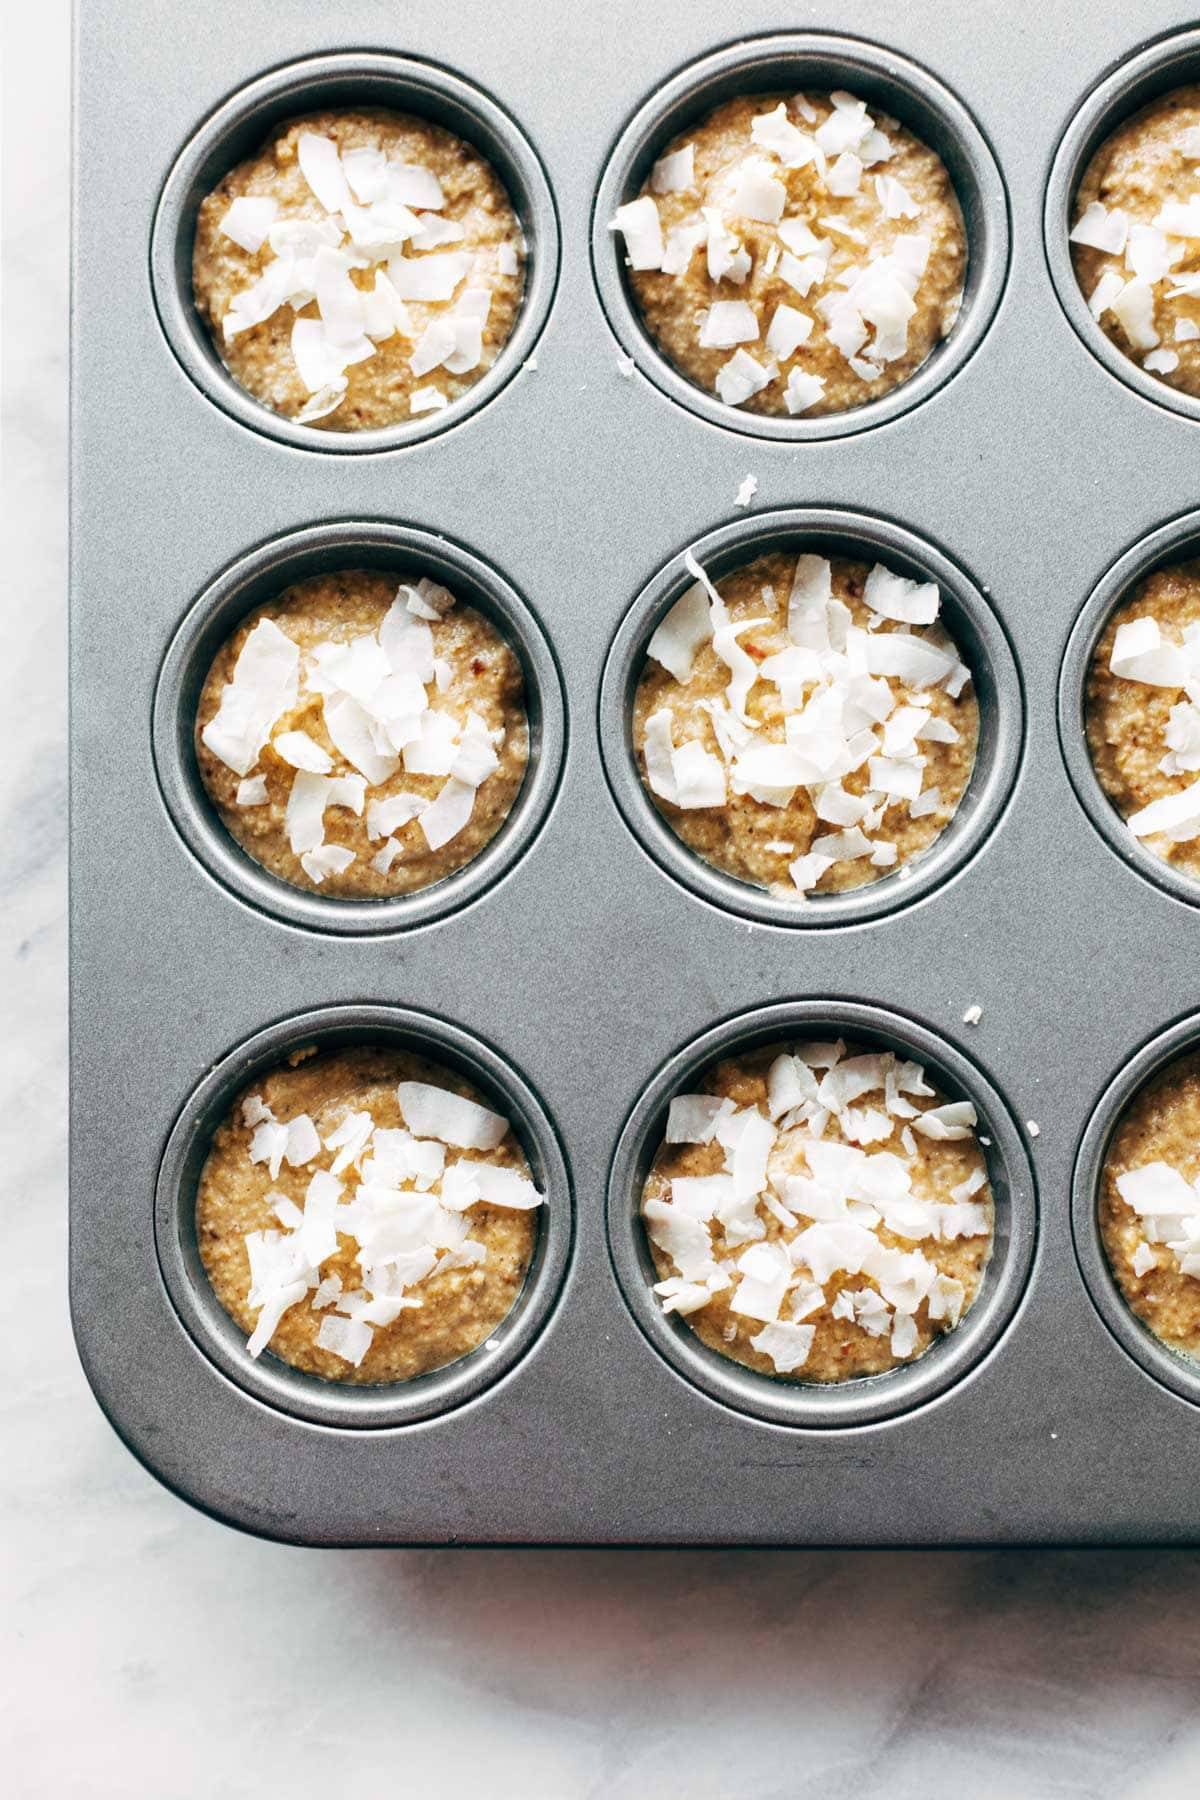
(584, 973)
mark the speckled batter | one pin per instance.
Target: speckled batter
(672, 305)
(1136, 171)
(842, 1350)
(744, 836)
(381, 387)
(486, 679)
(1126, 720)
(1161, 1124)
(460, 1308)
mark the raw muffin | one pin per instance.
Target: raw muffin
(819, 1211)
(1149, 1212)
(805, 725)
(363, 738)
(1143, 714)
(1136, 238)
(364, 1216)
(360, 268)
(795, 254)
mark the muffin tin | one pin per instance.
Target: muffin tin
(586, 967)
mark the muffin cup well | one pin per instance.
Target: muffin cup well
(787, 61)
(263, 574)
(1177, 541)
(1172, 1368)
(347, 79)
(275, 1383)
(871, 1398)
(1136, 81)
(968, 617)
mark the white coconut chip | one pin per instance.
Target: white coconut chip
(1144, 1259)
(1101, 229)
(946, 1123)
(434, 1112)
(249, 219)
(973, 1015)
(766, 1271)
(775, 132)
(802, 391)
(326, 859)
(1161, 362)
(895, 597)
(747, 489)
(639, 224)
(349, 1339)
(1186, 331)
(742, 377)
(755, 193)
(789, 328)
(265, 685)
(676, 173)
(894, 198)
(1134, 308)
(726, 323)
(302, 752)
(321, 167)
(788, 1346)
(449, 813)
(252, 791)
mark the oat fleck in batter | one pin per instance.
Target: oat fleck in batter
(1136, 238)
(819, 1211)
(365, 1216)
(363, 737)
(1149, 1212)
(1143, 714)
(361, 268)
(796, 254)
(806, 725)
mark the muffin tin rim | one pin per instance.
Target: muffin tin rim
(1169, 1368)
(1121, 91)
(874, 1400)
(988, 256)
(219, 1340)
(999, 754)
(192, 813)
(271, 92)
(1157, 549)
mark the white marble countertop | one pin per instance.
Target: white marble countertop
(152, 1652)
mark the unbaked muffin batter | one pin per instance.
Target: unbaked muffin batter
(364, 1215)
(805, 725)
(1135, 238)
(796, 254)
(363, 738)
(361, 268)
(1149, 1212)
(1143, 714)
(819, 1211)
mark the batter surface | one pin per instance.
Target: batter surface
(1143, 714)
(822, 1212)
(1135, 238)
(361, 268)
(775, 745)
(796, 254)
(351, 1244)
(372, 741)
(1149, 1211)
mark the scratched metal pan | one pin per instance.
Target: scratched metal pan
(587, 967)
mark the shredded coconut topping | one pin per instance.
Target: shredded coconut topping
(380, 716)
(866, 301)
(377, 217)
(845, 1206)
(403, 1196)
(844, 699)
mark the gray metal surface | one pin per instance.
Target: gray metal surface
(585, 971)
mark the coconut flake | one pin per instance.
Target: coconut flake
(789, 328)
(639, 224)
(248, 221)
(1102, 229)
(802, 391)
(434, 1112)
(742, 377)
(252, 791)
(264, 686)
(321, 167)
(788, 1346)
(675, 173)
(449, 813)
